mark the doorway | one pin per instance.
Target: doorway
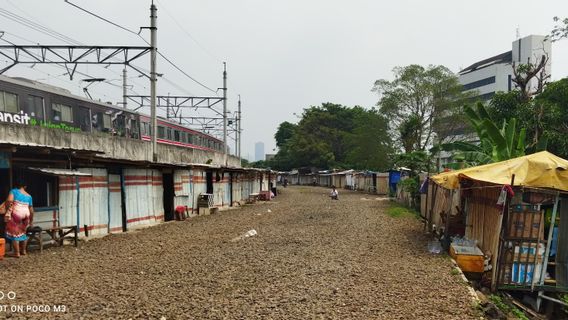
(231, 177)
(168, 183)
(209, 181)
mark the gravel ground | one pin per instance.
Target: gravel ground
(313, 258)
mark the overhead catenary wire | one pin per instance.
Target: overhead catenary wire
(187, 33)
(169, 61)
(35, 26)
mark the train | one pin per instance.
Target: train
(30, 102)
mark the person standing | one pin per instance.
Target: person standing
(18, 218)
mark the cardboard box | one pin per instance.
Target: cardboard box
(526, 224)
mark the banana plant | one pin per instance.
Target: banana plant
(494, 145)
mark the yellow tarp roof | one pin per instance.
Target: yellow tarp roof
(539, 170)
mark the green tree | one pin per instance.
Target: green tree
(420, 96)
(285, 131)
(560, 30)
(334, 136)
(370, 142)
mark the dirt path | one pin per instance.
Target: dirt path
(313, 258)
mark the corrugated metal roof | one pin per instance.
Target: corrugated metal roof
(61, 172)
(31, 144)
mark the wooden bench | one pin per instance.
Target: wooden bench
(46, 223)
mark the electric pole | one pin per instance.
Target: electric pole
(239, 117)
(124, 86)
(153, 79)
(225, 146)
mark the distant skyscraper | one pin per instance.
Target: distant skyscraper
(259, 151)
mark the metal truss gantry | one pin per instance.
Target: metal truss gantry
(71, 56)
(175, 106)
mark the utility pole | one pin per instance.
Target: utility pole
(153, 79)
(225, 146)
(124, 86)
(238, 151)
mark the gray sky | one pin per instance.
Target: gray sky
(284, 56)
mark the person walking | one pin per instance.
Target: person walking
(18, 218)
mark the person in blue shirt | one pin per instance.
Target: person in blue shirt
(18, 218)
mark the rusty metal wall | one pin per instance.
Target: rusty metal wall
(144, 196)
(115, 204)
(182, 189)
(68, 201)
(93, 201)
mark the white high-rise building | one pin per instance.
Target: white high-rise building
(495, 74)
(259, 151)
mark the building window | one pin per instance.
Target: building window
(61, 112)
(8, 102)
(35, 107)
(479, 83)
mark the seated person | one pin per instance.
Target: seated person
(180, 213)
(334, 194)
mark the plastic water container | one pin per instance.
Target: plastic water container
(2, 248)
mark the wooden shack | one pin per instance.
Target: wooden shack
(525, 233)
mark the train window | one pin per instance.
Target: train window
(177, 135)
(84, 116)
(134, 129)
(8, 102)
(61, 112)
(183, 137)
(169, 133)
(161, 132)
(107, 122)
(35, 107)
(144, 128)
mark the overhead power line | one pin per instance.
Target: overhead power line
(102, 18)
(188, 34)
(36, 26)
(140, 36)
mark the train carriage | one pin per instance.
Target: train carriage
(30, 102)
